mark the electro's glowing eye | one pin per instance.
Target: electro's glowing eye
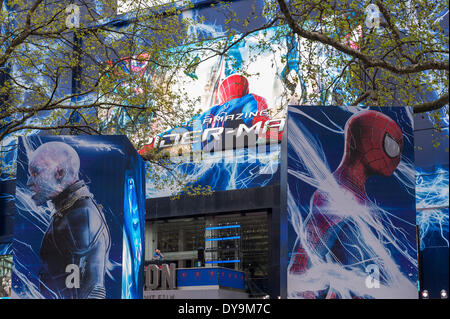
(391, 147)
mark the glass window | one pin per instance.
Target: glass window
(238, 241)
(175, 235)
(240, 237)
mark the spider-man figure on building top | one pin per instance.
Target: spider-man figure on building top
(373, 146)
(234, 98)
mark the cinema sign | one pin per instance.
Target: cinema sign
(163, 278)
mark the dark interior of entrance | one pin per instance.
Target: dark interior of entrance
(238, 241)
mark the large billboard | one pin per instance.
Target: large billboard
(351, 203)
(79, 222)
(234, 100)
(234, 143)
(244, 91)
(240, 100)
(432, 200)
(240, 119)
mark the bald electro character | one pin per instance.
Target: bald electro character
(76, 245)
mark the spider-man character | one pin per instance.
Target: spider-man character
(373, 146)
(234, 87)
(234, 98)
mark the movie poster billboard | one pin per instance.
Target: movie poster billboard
(233, 145)
(432, 200)
(351, 203)
(237, 136)
(79, 222)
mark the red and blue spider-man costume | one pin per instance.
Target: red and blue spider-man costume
(373, 146)
(234, 98)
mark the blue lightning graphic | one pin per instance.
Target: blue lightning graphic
(377, 239)
(231, 169)
(27, 281)
(432, 200)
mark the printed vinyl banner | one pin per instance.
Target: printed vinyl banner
(240, 98)
(351, 203)
(247, 86)
(241, 119)
(220, 171)
(234, 145)
(79, 223)
(432, 200)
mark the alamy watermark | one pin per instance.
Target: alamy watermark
(373, 278)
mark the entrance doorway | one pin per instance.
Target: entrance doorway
(238, 241)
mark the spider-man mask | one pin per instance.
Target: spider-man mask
(233, 87)
(375, 140)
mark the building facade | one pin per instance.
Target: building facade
(224, 201)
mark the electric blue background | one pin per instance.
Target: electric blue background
(432, 172)
(103, 161)
(387, 192)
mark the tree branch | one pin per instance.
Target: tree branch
(364, 96)
(369, 61)
(22, 36)
(431, 106)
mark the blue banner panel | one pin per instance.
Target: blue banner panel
(231, 278)
(7, 191)
(78, 229)
(351, 203)
(197, 277)
(433, 228)
(134, 229)
(223, 277)
(432, 200)
(434, 271)
(432, 165)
